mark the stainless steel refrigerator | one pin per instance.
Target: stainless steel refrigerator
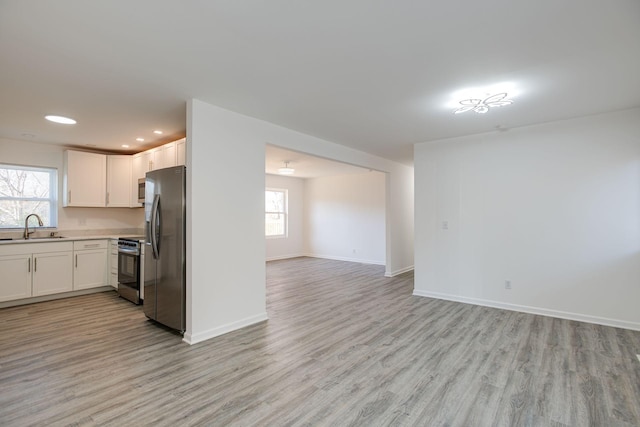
(164, 255)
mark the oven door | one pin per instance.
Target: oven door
(129, 268)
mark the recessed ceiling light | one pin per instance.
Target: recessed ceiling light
(124, 146)
(157, 132)
(61, 119)
(140, 139)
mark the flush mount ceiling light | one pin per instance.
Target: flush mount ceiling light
(125, 146)
(140, 139)
(286, 170)
(157, 132)
(60, 119)
(482, 106)
(482, 98)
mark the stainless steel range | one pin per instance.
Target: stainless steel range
(129, 268)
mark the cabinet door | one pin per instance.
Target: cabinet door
(147, 162)
(85, 176)
(141, 164)
(113, 263)
(181, 152)
(119, 181)
(15, 271)
(90, 269)
(169, 155)
(52, 273)
(157, 159)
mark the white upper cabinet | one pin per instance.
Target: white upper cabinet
(141, 164)
(156, 159)
(163, 156)
(119, 181)
(169, 155)
(181, 152)
(97, 180)
(85, 176)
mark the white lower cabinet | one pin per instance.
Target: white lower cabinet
(29, 270)
(52, 273)
(113, 263)
(90, 264)
(45, 268)
(16, 277)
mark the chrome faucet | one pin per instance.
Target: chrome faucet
(26, 225)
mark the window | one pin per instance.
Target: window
(275, 212)
(25, 190)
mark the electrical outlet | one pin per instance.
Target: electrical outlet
(354, 251)
(507, 284)
(445, 225)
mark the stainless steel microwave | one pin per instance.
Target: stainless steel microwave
(141, 190)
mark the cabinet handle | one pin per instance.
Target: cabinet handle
(29, 265)
(35, 265)
(76, 261)
(107, 198)
(93, 245)
(69, 197)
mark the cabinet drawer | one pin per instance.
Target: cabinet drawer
(34, 248)
(90, 244)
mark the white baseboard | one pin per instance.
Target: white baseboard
(224, 329)
(276, 258)
(338, 258)
(398, 272)
(533, 310)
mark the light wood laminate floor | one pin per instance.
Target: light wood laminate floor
(343, 346)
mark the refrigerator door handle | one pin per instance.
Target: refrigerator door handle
(154, 226)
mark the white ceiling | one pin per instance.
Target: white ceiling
(306, 166)
(375, 76)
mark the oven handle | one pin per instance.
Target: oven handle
(128, 251)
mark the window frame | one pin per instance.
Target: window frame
(285, 213)
(52, 199)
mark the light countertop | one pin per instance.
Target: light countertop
(62, 238)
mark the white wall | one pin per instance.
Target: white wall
(83, 219)
(292, 245)
(553, 208)
(345, 217)
(226, 181)
(399, 188)
(225, 222)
